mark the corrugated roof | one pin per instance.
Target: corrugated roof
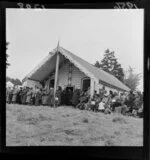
(99, 74)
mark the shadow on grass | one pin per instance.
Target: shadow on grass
(85, 120)
(119, 120)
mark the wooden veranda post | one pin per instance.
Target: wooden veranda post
(92, 87)
(56, 70)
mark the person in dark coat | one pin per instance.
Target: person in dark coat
(24, 95)
(75, 98)
(38, 97)
(63, 97)
(19, 96)
(69, 97)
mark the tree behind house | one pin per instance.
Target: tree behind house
(132, 79)
(110, 64)
(14, 81)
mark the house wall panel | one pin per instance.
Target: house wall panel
(77, 77)
(63, 76)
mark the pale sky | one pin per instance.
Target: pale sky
(87, 33)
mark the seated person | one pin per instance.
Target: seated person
(101, 106)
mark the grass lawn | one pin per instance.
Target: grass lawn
(45, 126)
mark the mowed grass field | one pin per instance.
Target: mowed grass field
(66, 126)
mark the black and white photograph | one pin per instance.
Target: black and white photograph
(74, 77)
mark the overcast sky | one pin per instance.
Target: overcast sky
(86, 33)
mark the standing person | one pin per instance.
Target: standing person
(124, 108)
(40, 98)
(109, 98)
(51, 101)
(43, 95)
(69, 97)
(130, 101)
(14, 96)
(28, 96)
(7, 94)
(24, 95)
(108, 102)
(37, 97)
(10, 95)
(102, 91)
(19, 95)
(46, 96)
(94, 102)
(33, 96)
(58, 96)
(63, 97)
(75, 98)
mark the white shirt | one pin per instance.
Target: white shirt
(101, 106)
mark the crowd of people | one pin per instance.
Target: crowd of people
(127, 103)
